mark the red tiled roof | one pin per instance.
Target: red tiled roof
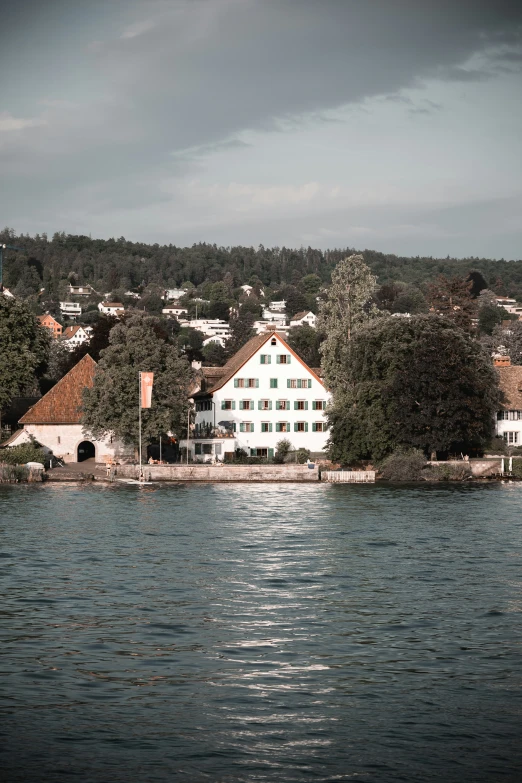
(298, 316)
(510, 384)
(70, 332)
(62, 404)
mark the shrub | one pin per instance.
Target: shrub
(283, 448)
(403, 466)
(448, 472)
(240, 455)
(516, 470)
(13, 473)
(25, 452)
(498, 446)
(302, 455)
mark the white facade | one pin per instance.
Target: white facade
(174, 311)
(509, 426)
(273, 396)
(308, 318)
(216, 339)
(75, 336)
(174, 293)
(111, 308)
(64, 440)
(210, 327)
(70, 309)
(262, 326)
(80, 290)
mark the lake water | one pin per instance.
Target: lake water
(261, 633)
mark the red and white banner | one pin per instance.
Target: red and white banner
(146, 381)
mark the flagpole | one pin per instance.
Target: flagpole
(139, 417)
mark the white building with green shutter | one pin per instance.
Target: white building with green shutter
(263, 394)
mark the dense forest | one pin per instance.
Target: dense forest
(116, 264)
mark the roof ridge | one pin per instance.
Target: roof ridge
(61, 404)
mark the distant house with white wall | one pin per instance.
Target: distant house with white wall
(302, 318)
(74, 336)
(111, 308)
(55, 420)
(265, 393)
(210, 327)
(70, 309)
(509, 417)
(174, 293)
(6, 292)
(174, 310)
(81, 290)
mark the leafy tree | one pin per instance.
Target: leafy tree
(100, 339)
(311, 284)
(417, 382)
(241, 331)
(25, 452)
(346, 308)
(489, 316)
(296, 301)
(190, 342)
(219, 310)
(152, 303)
(478, 283)
(111, 406)
(510, 339)
(306, 342)
(214, 354)
(24, 349)
(451, 297)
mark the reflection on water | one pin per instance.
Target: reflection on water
(261, 633)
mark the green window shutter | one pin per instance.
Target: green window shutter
(241, 427)
(295, 426)
(251, 428)
(288, 358)
(287, 405)
(270, 453)
(306, 426)
(295, 406)
(257, 383)
(262, 359)
(314, 405)
(233, 405)
(314, 427)
(234, 429)
(241, 405)
(270, 429)
(236, 383)
(309, 383)
(270, 405)
(288, 427)
(259, 408)
(278, 359)
(223, 405)
(306, 405)
(288, 383)
(269, 359)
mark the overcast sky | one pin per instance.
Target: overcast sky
(389, 124)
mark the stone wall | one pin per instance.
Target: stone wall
(220, 472)
(480, 468)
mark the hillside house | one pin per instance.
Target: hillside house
(81, 290)
(265, 393)
(55, 421)
(111, 308)
(174, 310)
(70, 309)
(74, 336)
(51, 324)
(302, 318)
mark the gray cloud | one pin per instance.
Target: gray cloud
(157, 85)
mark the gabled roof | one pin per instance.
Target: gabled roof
(47, 317)
(245, 353)
(510, 384)
(62, 404)
(71, 331)
(300, 315)
(112, 304)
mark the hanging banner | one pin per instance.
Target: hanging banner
(147, 379)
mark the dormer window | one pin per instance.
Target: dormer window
(273, 341)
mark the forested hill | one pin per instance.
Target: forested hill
(109, 264)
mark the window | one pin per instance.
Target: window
(299, 383)
(197, 449)
(300, 405)
(514, 415)
(58, 439)
(273, 383)
(273, 341)
(282, 405)
(246, 383)
(283, 358)
(282, 426)
(246, 426)
(511, 437)
(204, 405)
(207, 448)
(264, 405)
(266, 426)
(260, 453)
(228, 405)
(318, 405)
(318, 426)
(300, 426)
(265, 358)
(246, 405)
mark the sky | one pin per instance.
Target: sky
(394, 125)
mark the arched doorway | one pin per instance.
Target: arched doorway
(86, 450)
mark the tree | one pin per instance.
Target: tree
(451, 297)
(417, 382)
(241, 332)
(346, 308)
(510, 338)
(111, 406)
(190, 342)
(24, 349)
(214, 354)
(306, 342)
(478, 283)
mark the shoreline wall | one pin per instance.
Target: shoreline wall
(220, 472)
